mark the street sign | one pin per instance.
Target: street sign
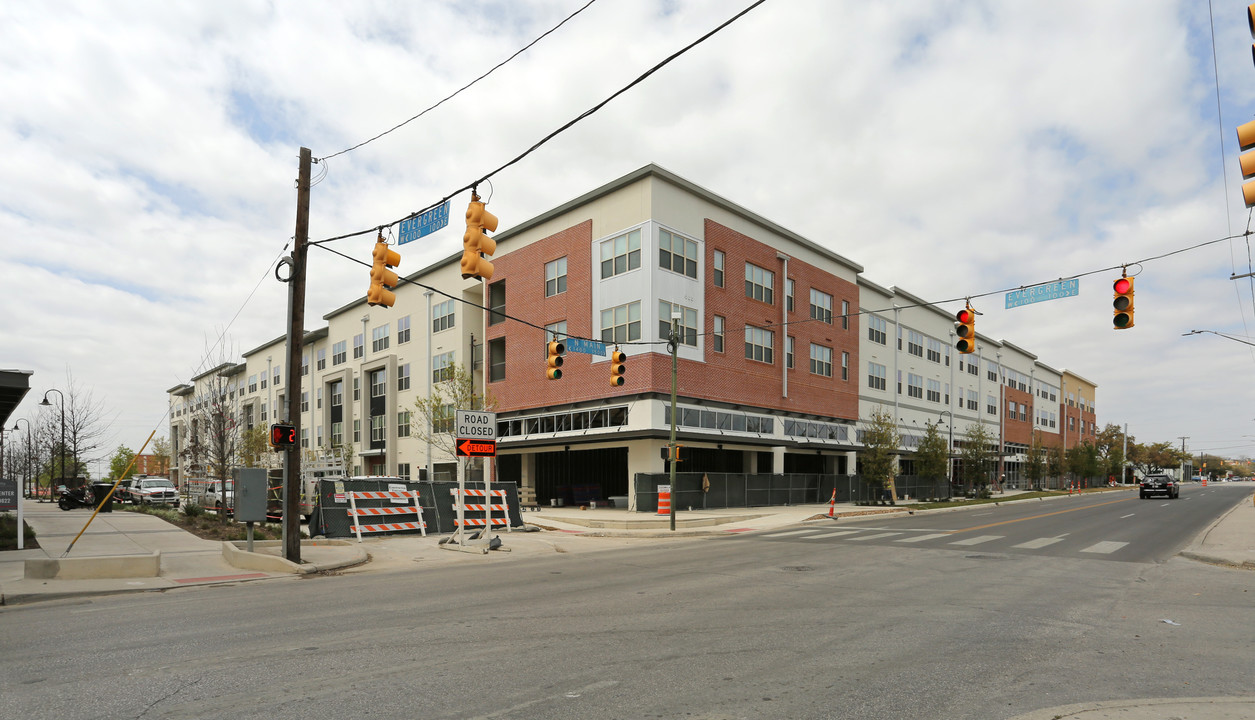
(475, 424)
(1041, 293)
(588, 347)
(413, 228)
(476, 448)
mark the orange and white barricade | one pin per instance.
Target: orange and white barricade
(416, 510)
(487, 509)
(664, 499)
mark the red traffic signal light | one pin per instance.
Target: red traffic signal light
(282, 435)
(965, 329)
(556, 350)
(382, 280)
(617, 368)
(1122, 304)
(476, 246)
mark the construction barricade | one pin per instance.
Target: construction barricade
(389, 512)
(497, 512)
(331, 518)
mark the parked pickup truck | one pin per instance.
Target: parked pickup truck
(1159, 485)
(215, 498)
(154, 491)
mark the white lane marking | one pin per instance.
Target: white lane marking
(1104, 548)
(874, 537)
(1127, 516)
(1039, 543)
(978, 540)
(838, 533)
(791, 532)
(922, 538)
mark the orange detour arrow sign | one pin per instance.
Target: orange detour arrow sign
(476, 448)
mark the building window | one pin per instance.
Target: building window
(337, 434)
(788, 295)
(991, 404)
(442, 419)
(991, 371)
(339, 353)
(337, 394)
(758, 344)
(788, 351)
(378, 383)
(496, 358)
(845, 366)
(717, 334)
(263, 412)
(359, 346)
(934, 350)
(305, 437)
(760, 284)
(973, 400)
(322, 359)
(378, 428)
(379, 338)
(275, 380)
(403, 423)
(403, 377)
(621, 254)
(403, 471)
(263, 381)
(845, 314)
(304, 365)
(319, 400)
(877, 329)
(934, 391)
(876, 377)
(553, 331)
(357, 431)
(442, 367)
(442, 316)
(915, 385)
(688, 322)
(821, 360)
(357, 388)
(403, 330)
(821, 306)
(496, 303)
(555, 277)
(622, 323)
(915, 343)
(252, 383)
(718, 263)
(677, 254)
(305, 401)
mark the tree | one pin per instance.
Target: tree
(932, 455)
(433, 422)
(161, 455)
(880, 450)
(977, 456)
(1082, 460)
(255, 446)
(1035, 461)
(120, 466)
(1154, 457)
(1055, 465)
(1110, 445)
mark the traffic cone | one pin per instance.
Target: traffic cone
(832, 504)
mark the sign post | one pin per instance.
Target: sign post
(476, 436)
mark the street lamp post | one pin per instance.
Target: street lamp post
(28, 452)
(61, 397)
(949, 452)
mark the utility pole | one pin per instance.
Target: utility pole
(673, 341)
(1183, 439)
(296, 334)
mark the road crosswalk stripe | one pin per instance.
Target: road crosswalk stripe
(1104, 548)
(922, 538)
(978, 540)
(838, 533)
(874, 537)
(1038, 543)
(791, 532)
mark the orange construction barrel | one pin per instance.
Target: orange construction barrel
(664, 499)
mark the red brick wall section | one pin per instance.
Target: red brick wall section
(1016, 430)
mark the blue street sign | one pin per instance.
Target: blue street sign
(1041, 293)
(588, 347)
(425, 224)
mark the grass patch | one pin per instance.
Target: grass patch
(8, 533)
(211, 527)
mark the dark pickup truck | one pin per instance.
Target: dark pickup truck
(1159, 485)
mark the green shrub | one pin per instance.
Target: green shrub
(192, 509)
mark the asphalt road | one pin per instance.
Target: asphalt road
(744, 626)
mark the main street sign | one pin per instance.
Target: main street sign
(476, 424)
(413, 228)
(1041, 293)
(589, 347)
(476, 448)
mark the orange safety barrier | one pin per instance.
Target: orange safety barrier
(664, 499)
(832, 504)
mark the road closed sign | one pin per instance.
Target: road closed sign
(475, 424)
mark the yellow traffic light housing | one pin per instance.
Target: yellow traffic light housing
(383, 280)
(477, 246)
(1122, 304)
(556, 350)
(965, 329)
(617, 367)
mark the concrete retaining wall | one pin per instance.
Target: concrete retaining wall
(94, 568)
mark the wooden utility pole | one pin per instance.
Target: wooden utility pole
(296, 334)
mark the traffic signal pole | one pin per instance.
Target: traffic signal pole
(296, 334)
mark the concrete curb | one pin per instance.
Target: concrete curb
(94, 568)
(236, 556)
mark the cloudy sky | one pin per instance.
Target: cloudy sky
(954, 148)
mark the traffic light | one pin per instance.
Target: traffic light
(476, 246)
(617, 368)
(1123, 303)
(282, 435)
(556, 350)
(965, 328)
(382, 280)
(1246, 133)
